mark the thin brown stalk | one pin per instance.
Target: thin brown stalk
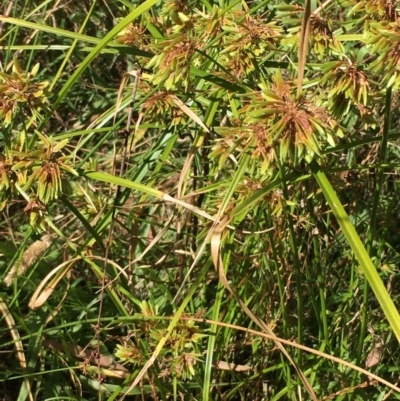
(303, 46)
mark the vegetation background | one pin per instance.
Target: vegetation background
(199, 200)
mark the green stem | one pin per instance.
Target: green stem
(359, 250)
(296, 262)
(374, 212)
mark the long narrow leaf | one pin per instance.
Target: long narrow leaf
(100, 46)
(359, 250)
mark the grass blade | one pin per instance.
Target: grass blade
(359, 250)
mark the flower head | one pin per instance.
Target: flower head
(18, 89)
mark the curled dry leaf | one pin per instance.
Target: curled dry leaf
(46, 287)
(79, 352)
(231, 366)
(30, 256)
(374, 355)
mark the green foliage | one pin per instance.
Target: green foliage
(132, 132)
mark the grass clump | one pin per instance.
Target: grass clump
(199, 200)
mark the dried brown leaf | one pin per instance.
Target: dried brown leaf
(30, 256)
